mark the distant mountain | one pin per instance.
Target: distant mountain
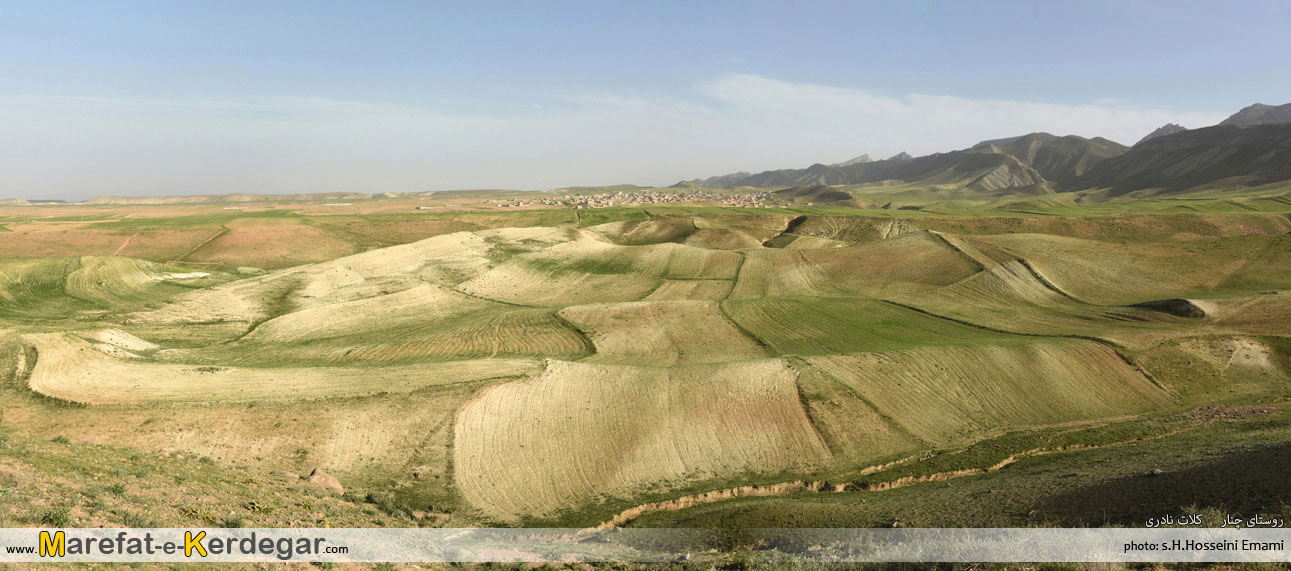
(1167, 129)
(722, 181)
(1014, 162)
(1260, 114)
(855, 161)
(1224, 154)
(901, 156)
(14, 202)
(1059, 159)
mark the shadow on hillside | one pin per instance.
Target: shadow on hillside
(1254, 481)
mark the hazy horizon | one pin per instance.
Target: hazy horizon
(115, 99)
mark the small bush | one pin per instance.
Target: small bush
(60, 439)
(200, 512)
(388, 505)
(117, 489)
(232, 522)
(135, 520)
(57, 517)
(257, 507)
(305, 504)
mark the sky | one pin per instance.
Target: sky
(182, 97)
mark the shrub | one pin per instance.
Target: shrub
(200, 512)
(257, 507)
(57, 517)
(232, 522)
(60, 439)
(117, 489)
(135, 520)
(388, 505)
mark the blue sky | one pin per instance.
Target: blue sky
(181, 97)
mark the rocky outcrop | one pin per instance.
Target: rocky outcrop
(1167, 129)
(324, 480)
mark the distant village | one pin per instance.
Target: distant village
(608, 199)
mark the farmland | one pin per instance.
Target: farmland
(648, 365)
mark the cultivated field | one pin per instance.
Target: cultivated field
(585, 432)
(468, 365)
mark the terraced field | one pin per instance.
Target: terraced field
(562, 374)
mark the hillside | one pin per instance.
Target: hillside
(1059, 159)
(1260, 114)
(1228, 154)
(819, 194)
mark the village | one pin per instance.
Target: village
(608, 199)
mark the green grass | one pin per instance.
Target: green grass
(211, 220)
(826, 326)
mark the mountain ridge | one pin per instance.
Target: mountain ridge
(1260, 114)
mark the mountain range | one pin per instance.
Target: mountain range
(1251, 147)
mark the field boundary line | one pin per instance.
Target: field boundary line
(735, 280)
(1112, 345)
(222, 231)
(124, 244)
(766, 347)
(797, 361)
(588, 344)
(981, 267)
(1045, 281)
(1248, 262)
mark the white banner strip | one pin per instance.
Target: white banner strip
(643, 545)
